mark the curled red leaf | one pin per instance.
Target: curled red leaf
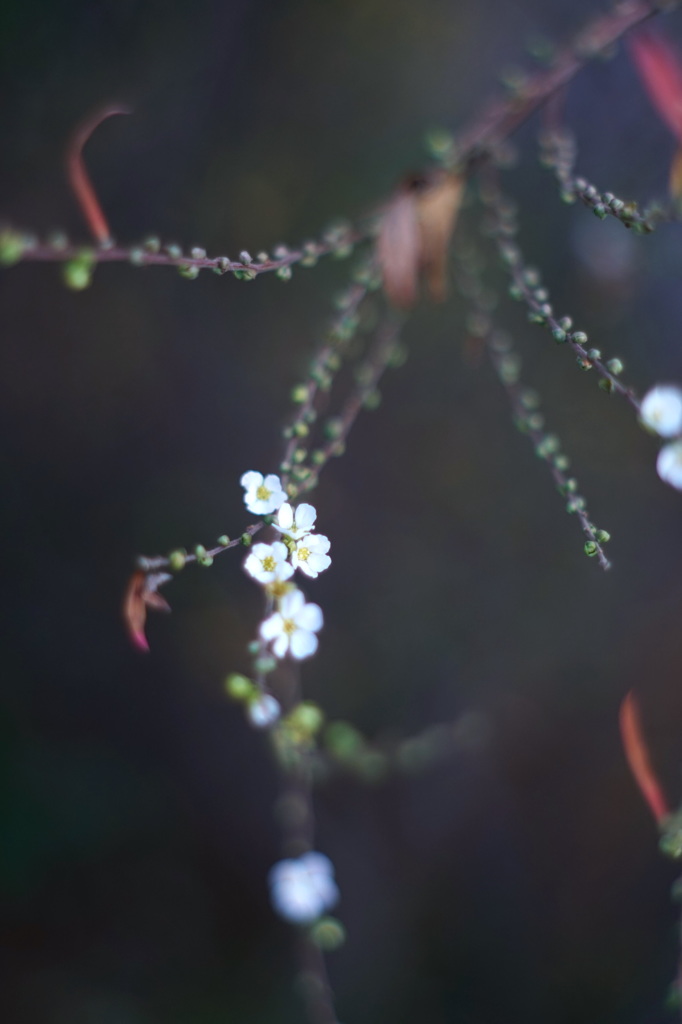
(659, 67)
(637, 754)
(142, 593)
(79, 179)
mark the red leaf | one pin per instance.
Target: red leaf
(637, 755)
(660, 68)
(141, 594)
(78, 176)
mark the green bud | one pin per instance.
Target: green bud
(246, 540)
(206, 561)
(603, 536)
(615, 366)
(223, 540)
(559, 335)
(328, 934)
(265, 665)
(152, 244)
(301, 429)
(200, 551)
(562, 462)
(600, 211)
(12, 247)
(343, 741)
(306, 718)
(591, 548)
(372, 400)
(333, 427)
(239, 688)
(579, 337)
(177, 559)
(191, 272)
(283, 273)
(606, 385)
(77, 272)
(300, 393)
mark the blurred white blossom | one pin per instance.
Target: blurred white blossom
(267, 563)
(263, 711)
(661, 410)
(669, 464)
(293, 627)
(263, 494)
(310, 554)
(302, 889)
(295, 523)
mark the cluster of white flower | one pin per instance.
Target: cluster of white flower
(292, 627)
(302, 889)
(661, 411)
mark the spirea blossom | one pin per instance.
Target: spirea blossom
(295, 523)
(263, 711)
(310, 554)
(293, 627)
(263, 494)
(669, 464)
(661, 410)
(268, 563)
(302, 889)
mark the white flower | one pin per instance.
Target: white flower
(268, 562)
(295, 523)
(301, 890)
(661, 410)
(263, 711)
(292, 629)
(263, 496)
(310, 554)
(669, 464)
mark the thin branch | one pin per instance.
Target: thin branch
(558, 153)
(379, 358)
(502, 118)
(496, 123)
(526, 286)
(507, 364)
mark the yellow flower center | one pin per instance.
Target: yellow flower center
(303, 554)
(278, 588)
(289, 626)
(269, 563)
(262, 493)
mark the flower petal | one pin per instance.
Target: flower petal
(310, 617)
(305, 517)
(303, 644)
(281, 645)
(251, 480)
(272, 627)
(291, 604)
(285, 517)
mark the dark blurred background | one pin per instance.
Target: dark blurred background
(520, 881)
